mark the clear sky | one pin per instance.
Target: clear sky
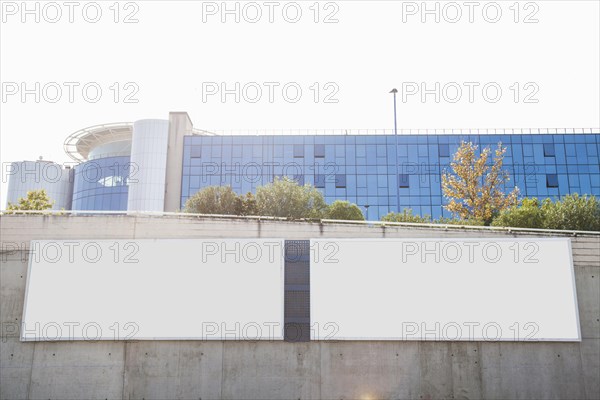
(303, 64)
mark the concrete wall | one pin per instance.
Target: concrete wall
(246, 370)
(180, 125)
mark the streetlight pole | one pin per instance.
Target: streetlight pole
(366, 206)
(394, 91)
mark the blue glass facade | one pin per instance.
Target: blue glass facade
(101, 184)
(386, 172)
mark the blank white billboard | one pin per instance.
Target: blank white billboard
(221, 289)
(443, 289)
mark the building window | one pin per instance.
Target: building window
(552, 180)
(444, 150)
(549, 150)
(403, 181)
(319, 151)
(196, 152)
(298, 151)
(113, 181)
(340, 181)
(319, 181)
(299, 179)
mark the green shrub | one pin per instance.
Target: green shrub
(406, 216)
(247, 205)
(214, 200)
(527, 215)
(458, 221)
(572, 212)
(285, 198)
(344, 210)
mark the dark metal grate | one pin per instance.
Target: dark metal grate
(297, 291)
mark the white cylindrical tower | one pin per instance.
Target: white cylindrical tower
(149, 163)
(25, 176)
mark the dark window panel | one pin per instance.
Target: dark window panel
(549, 150)
(319, 150)
(298, 151)
(444, 150)
(552, 180)
(340, 181)
(403, 181)
(196, 152)
(319, 181)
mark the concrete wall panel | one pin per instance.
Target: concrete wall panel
(532, 370)
(15, 357)
(15, 368)
(77, 370)
(20, 230)
(270, 370)
(370, 370)
(587, 282)
(13, 275)
(173, 370)
(590, 359)
(436, 370)
(466, 370)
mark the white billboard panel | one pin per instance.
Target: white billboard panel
(155, 289)
(443, 289)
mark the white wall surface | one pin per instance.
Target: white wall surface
(163, 289)
(443, 289)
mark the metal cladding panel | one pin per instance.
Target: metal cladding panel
(443, 289)
(27, 176)
(149, 157)
(162, 289)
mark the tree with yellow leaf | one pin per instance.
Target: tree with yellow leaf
(36, 200)
(475, 189)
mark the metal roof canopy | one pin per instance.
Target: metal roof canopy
(79, 144)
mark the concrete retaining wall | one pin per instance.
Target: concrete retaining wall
(265, 370)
